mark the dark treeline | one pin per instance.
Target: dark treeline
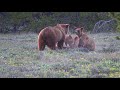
(12, 22)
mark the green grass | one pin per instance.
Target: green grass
(19, 57)
(117, 37)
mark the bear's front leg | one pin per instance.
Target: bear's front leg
(60, 44)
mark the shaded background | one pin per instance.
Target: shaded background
(12, 22)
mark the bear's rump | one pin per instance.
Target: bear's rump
(90, 44)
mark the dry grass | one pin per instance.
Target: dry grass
(19, 58)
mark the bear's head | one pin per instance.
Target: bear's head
(79, 31)
(64, 27)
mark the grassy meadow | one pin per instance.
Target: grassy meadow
(19, 58)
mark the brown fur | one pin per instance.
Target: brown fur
(72, 40)
(80, 31)
(69, 41)
(84, 40)
(76, 41)
(52, 36)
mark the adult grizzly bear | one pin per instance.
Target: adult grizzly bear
(84, 40)
(52, 36)
(72, 40)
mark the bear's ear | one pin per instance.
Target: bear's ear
(65, 25)
(82, 29)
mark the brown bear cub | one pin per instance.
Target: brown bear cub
(71, 40)
(84, 40)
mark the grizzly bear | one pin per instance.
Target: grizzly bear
(72, 40)
(52, 36)
(84, 40)
(76, 41)
(69, 40)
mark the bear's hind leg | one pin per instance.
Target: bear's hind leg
(51, 44)
(42, 47)
(53, 47)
